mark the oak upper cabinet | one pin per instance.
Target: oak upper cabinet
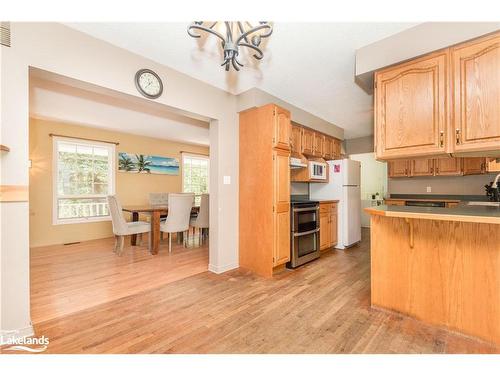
(281, 207)
(474, 166)
(398, 168)
(421, 167)
(307, 141)
(296, 145)
(410, 108)
(448, 166)
(282, 128)
(337, 148)
(328, 148)
(319, 140)
(264, 189)
(476, 99)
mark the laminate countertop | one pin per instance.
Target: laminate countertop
(471, 214)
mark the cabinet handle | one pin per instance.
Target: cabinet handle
(441, 138)
(457, 136)
(437, 170)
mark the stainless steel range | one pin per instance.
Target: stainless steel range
(305, 232)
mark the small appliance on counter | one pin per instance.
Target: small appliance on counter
(344, 185)
(304, 241)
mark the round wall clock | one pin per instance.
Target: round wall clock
(148, 83)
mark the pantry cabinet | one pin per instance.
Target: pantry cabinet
(410, 108)
(264, 188)
(446, 102)
(476, 99)
(282, 128)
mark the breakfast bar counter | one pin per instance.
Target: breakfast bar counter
(438, 265)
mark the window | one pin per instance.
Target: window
(195, 175)
(83, 177)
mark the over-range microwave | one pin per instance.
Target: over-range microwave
(317, 170)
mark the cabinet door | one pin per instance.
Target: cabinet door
(336, 148)
(474, 166)
(448, 166)
(398, 168)
(319, 140)
(282, 128)
(476, 105)
(410, 108)
(324, 230)
(333, 226)
(328, 148)
(492, 165)
(296, 145)
(307, 141)
(281, 207)
(421, 167)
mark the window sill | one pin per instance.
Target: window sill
(81, 220)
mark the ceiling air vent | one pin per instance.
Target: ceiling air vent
(5, 33)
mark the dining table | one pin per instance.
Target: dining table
(155, 212)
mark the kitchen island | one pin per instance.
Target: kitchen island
(438, 265)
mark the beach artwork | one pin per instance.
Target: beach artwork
(138, 163)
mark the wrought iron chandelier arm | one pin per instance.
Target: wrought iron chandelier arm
(255, 29)
(259, 55)
(206, 29)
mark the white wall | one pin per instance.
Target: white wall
(66, 52)
(373, 180)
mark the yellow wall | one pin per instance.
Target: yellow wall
(131, 188)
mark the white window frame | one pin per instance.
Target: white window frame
(195, 156)
(55, 172)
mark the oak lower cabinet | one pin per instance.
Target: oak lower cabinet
(328, 217)
(410, 108)
(398, 168)
(476, 99)
(264, 189)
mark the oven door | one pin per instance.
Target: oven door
(305, 219)
(305, 247)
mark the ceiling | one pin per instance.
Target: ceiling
(309, 65)
(59, 102)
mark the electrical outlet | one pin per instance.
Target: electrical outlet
(429, 189)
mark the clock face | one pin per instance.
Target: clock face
(148, 83)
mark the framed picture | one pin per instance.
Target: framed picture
(148, 164)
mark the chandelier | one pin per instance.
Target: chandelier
(237, 34)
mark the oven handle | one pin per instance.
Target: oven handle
(306, 233)
(312, 209)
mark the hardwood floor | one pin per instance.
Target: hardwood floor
(71, 278)
(322, 307)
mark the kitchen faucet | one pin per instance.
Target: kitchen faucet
(493, 190)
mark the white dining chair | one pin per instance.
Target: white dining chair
(179, 212)
(121, 228)
(201, 221)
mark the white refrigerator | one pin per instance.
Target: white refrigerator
(344, 185)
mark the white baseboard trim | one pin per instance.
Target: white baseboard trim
(15, 334)
(221, 269)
